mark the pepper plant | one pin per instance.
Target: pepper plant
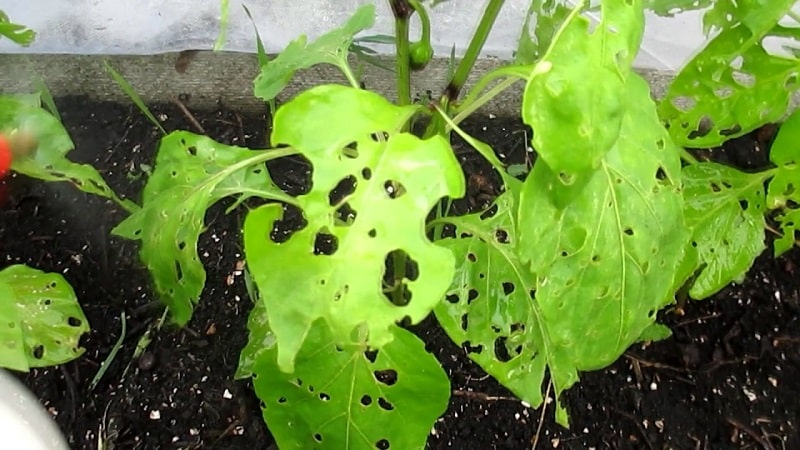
(566, 269)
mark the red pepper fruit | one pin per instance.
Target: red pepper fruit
(5, 155)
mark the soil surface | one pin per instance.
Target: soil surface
(729, 378)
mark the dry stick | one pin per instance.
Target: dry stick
(188, 115)
(481, 396)
(638, 425)
(765, 444)
(541, 416)
(654, 365)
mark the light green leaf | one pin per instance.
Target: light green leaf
(343, 397)
(725, 210)
(546, 17)
(784, 188)
(605, 263)
(655, 332)
(330, 48)
(192, 173)
(372, 189)
(733, 85)
(574, 99)
(19, 34)
(49, 161)
(42, 321)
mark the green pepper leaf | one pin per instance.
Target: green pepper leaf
(42, 320)
(576, 109)
(372, 189)
(345, 397)
(725, 210)
(330, 48)
(19, 34)
(605, 263)
(734, 85)
(192, 173)
(784, 188)
(49, 161)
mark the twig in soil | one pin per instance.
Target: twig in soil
(696, 320)
(739, 426)
(188, 115)
(227, 431)
(652, 364)
(638, 425)
(472, 395)
(535, 440)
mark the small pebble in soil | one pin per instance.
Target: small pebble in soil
(147, 361)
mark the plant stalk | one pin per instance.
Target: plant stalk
(474, 49)
(402, 14)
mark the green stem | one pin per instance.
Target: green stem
(402, 14)
(474, 49)
(688, 157)
(473, 106)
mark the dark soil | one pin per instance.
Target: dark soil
(729, 378)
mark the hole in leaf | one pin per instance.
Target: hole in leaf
(350, 150)
(464, 322)
(731, 131)
(628, 231)
(489, 213)
(371, 355)
(372, 233)
(744, 205)
(661, 174)
(291, 222)
(325, 244)
(508, 287)
(366, 400)
(192, 150)
(452, 298)
(704, 126)
(715, 187)
(595, 258)
(473, 294)
(517, 327)
(345, 214)
(566, 178)
(74, 322)
(344, 188)
(532, 294)
(394, 189)
(282, 400)
(660, 144)
(385, 404)
(500, 350)
(178, 271)
(471, 257)
(324, 397)
(366, 173)
(387, 376)
(501, 236)
(469, 348)
(383, 444)
(381, 136)
(181, 245)
(317, 437)
(38, 351)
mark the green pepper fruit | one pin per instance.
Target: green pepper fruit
(420, 53)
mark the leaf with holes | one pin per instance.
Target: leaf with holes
(192, 173)
(734, 85)
(574, 98)
(341, 397)
(784, 188)
(545, 17)
(42, 320)
(724, 208)
(489, 307)
(330, 48)
(606, 263)
(372, 189)
(49, 161)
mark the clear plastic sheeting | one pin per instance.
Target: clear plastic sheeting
(138, 27)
